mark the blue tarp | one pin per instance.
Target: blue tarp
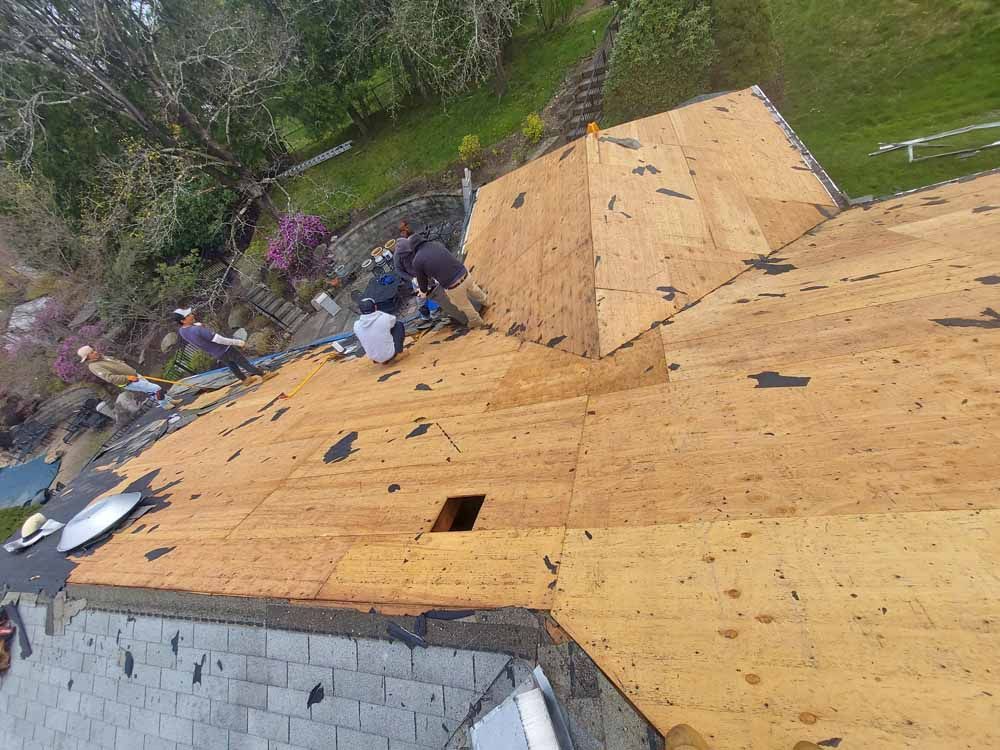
(24, 483)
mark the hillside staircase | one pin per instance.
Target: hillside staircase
(282, 312)
(588, 98)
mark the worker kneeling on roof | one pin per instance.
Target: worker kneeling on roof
(118, 373)
(428, 260)
(380, 334)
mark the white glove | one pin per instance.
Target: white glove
(217, 339)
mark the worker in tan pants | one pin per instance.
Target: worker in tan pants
(437, 271)
(463, 295)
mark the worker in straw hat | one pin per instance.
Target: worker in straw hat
(117, 373)
(224, 349)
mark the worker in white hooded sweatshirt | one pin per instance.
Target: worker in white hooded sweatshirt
(380, 334)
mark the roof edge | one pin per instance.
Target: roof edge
(838, 196)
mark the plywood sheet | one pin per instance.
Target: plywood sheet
(871, 629)
(465, 569)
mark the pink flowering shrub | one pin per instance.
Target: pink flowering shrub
(67, 366)
(291, 249)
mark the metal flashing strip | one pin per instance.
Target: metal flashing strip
(838, 196)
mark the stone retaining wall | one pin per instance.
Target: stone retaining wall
(433, 208)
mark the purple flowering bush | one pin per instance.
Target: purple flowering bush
(291, 249)
(67, 365)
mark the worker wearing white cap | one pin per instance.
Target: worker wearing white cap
(118, 373)
(225, 350)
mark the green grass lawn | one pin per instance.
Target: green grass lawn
(424, 140)
(11, 520)
(857, 74)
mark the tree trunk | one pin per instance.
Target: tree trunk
(358, 118)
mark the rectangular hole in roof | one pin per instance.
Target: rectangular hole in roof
(459, 513)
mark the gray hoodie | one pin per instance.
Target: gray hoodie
(425, 259)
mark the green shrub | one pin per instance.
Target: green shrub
(533, 128)
(744, 38)
(663, 55)
(471, 151)
(306, 290)
(277, 282)
(554, 12)
(202, 361)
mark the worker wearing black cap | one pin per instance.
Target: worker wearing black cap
(379, 333)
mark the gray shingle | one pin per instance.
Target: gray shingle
(131, 694)
(445, 666)
(269, 725)
(161, 655)
(348, 739)
(228, 716)
(385, 658)
(389, 722)
(78, 726)
(83, 682)
(367, 688)
(91, 706)
(222, 664)
(176, 728)
(149, 629)
(416, 696)
(247, 640)
(117, 713)
(207, 737)
(267, 671)
(457, 702)
(343, 712)
(245, 693)
(162, 701)
(97, 622)
(306, 677)
(102, 733)
(146, 674)
(333, 651)
(158, 743)
(105, 687)
(176, 680)
(211, 636)
(312, 735)
(120, 625)
(216, 688)
(435, 730)
(238, 741)
(48, 695)
(194, 707)
(182, 629)
(95, 665)
(55, 719)
(288, 646)
(128, 739)
(289, 702)
(488, 665)
(144, 720)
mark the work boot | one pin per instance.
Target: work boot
(252, 380)
(268, 376)
(683, 737)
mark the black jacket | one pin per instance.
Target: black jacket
(425, 259)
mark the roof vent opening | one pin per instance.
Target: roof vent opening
(459, 513)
